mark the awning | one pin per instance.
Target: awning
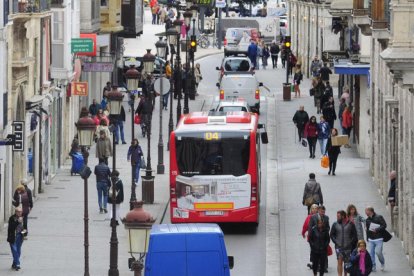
(351, 68)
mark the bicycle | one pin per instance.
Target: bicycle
(204, 42)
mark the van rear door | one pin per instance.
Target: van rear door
(240, 86)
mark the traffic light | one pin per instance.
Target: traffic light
(193, 43)
(287, 43)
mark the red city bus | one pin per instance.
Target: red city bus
(215, 167)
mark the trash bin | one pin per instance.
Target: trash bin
(286, 91)
(148, 189)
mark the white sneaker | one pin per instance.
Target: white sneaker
(382, 267)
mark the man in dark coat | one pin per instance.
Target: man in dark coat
(375, 225)
(329, 112)
(312, 193)
(300, 119)
(119, 127)
(102, 173)
(118, 196)
(15, 233)
(325, 72)
(274, 52)
(94, 107)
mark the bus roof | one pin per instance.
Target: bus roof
(220, 121)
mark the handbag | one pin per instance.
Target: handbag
(309, 201)
(137, 119)
(142, 164)
(325, 161)
(329, 250)
(304, 142)
(386, 235)
(312, 92)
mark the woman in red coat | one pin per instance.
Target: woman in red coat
(347, 123)
(311, 134)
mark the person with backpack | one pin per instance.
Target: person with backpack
(312, 193)
(274, 53)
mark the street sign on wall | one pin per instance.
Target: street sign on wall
(18, 131)
(81, 45)
(80, 88)
(98, 67)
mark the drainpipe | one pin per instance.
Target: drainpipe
(309, 58)
(317, 30)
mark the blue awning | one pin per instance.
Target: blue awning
(351, 69)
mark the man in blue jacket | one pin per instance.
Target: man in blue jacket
(252, 53)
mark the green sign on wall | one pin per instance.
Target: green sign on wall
(81, 45)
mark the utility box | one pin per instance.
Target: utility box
(186, 250)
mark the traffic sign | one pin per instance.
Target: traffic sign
(220, 3)
(162, 85)
(81, 45)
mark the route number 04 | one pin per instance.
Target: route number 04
(211, 136)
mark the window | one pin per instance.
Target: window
(58, 26)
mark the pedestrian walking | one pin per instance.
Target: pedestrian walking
(323, 134)
(347, 123)
(97, 119)
(106, 89)
(325, 98)
(144, 110)
(292, 62)
(320, 215)
(15, 233)
(265, 56)
(319, 242)
(312, 193)
(103, 125)
(316, 65)
(325, 72)
(297, 79)
(162, 14)
(392, 199)
(274, 53)
(119, 127)
(305, 228)
(360, 260)
(94, 108)
(311, 134)
(198, 76)
(104, 102)
(283, 55)
(168, 75)
(103, 182)
(344, 236)
(341, 109)
(116, 198)
(259, 54)
(154, 12)
(345, 95)
(23, 197)
(252, 53)
(329, 89)
(375, 225)
(357, 219)
(300, 119)
(319, 89)
(103, 147)
(134, 156)
(333, 152)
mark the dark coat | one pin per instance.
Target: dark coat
(134, 155)
(378, 219)
(333, 151)
(314, 221)
(300, 118)
(391, 192)
(26, 200)
(12, 228)
(313, 188)
(274, 49)
(119, 188)
(319, 240)
(344, 235)
(123, 116)
(144, 107)
(93, 109)
(354, 259)
(325, 72)
(329, 112)
(102, 173)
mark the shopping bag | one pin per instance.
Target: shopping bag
(137, 119)
(329, 250)
(325, 161)
(142, 164)
(292, 88)
(304, 142)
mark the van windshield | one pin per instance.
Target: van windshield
(238, 65)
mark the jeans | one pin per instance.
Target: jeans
(102, 188)
(165, 99)
(322, 144)
(375, 247)
(135, 169)
(312, 145)
(300, 131)
(16, 249)
(25, 224)
(274, 61)
(119, 128)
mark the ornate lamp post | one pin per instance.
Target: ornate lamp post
(187, 19)
(138, 223)
(148, 180)
(132, 76)
(161, 52)
(86, 129)
(172, 40)
(194, 10)
(114, 103)
(178, 82)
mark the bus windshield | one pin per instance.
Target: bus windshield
(213, 153)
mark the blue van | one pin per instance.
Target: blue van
(196, 249)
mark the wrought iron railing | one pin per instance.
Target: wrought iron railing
(379, 13)
(30, 6)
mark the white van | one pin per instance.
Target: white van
(237, 40)
(244, 85)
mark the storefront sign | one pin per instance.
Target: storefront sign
(80, 88)
(81, 45)
(98, 67)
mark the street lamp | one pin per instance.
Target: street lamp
(187, 19)
(114, 102)
(194, 10)
(86, 129)
(132, 77)
(161, 51)
(188, 3)
(172, 40)
(178, 81)
(138, 223)
(148, 180)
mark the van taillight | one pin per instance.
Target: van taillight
(221, 94)
(257, 94)
(225, 42)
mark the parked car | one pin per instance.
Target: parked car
(235, 64)
(244, 85)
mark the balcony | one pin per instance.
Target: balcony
(30, 6)
(360, 17)
(380, 18)
(111, 17)
(58, 3)
(340, 8)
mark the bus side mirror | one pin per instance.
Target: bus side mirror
(264, 137)
(231, 261)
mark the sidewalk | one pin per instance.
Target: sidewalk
(352, 184)
(55, 244)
